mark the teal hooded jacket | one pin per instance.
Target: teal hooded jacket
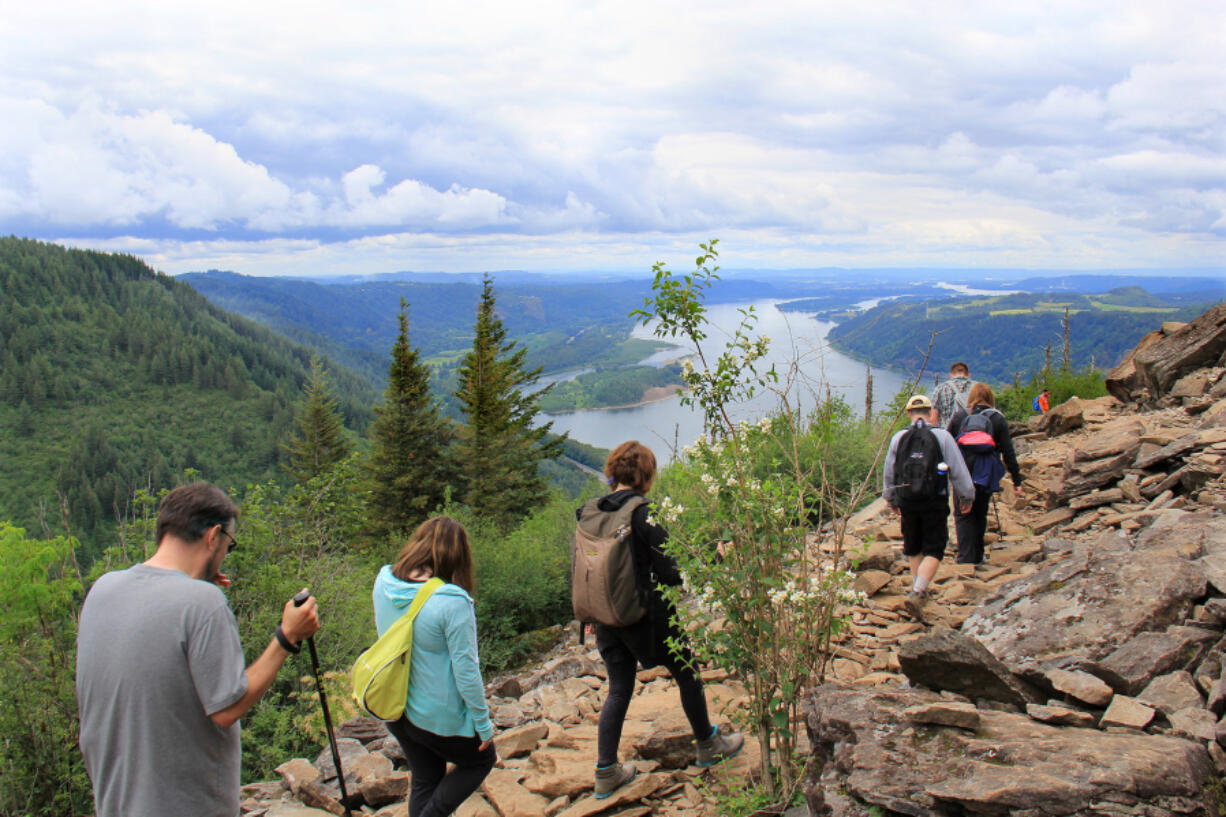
(446, 693)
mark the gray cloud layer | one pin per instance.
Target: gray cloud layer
(283, 137)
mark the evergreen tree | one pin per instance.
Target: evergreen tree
(408, 467)
(499, 452)
(319, 441)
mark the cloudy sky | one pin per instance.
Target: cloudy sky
(319, 137)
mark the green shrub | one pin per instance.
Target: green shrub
(41, 769)
(522, 578)
(1017, 401)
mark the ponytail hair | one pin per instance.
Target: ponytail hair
(633, 464)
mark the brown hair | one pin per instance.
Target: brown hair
(189, 511)
(959, 368)
(633, 464)
(981, 395)
(441, 544)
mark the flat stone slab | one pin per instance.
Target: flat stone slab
(1090, 604)
(871, 581)
(1195, 723)
(1010, 764)
(944, 713)
(1061, 715)
(1171, 693)
(1146, 656)
(1126, 711)
(1082, 686)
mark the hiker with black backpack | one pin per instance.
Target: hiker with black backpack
(921, 462)
(983, 437)
(446, 719)
(618, 566)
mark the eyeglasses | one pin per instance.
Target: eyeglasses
(233, 541)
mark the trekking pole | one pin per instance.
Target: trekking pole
(300, 600)
(999, 529)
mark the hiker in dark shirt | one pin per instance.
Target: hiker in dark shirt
(631, 469)
(983, 451)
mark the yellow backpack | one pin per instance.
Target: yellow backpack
(381, 674)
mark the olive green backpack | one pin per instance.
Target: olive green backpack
(381, 674)
(603, 587)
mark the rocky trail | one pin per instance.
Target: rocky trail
(1079, 671)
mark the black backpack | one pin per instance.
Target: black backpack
(916, 478)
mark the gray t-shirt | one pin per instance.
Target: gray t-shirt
(157, 652)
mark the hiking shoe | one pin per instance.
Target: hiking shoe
(611, 778)
(915, 605)
(717, 747)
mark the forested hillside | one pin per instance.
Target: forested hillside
(113, 377)
(1008, 335)
(560, 325)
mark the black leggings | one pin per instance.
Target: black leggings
(622, 666)
(971, 528)
(434, 791)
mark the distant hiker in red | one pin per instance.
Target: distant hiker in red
(983, 437)
(631, 468)
(1042, 403)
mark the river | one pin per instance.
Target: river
(795, 336)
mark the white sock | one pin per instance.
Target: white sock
(921, 584)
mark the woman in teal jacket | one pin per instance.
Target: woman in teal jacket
(446, 719)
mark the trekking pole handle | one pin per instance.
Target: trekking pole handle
(300, 598)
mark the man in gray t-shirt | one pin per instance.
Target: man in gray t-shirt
(160, 677)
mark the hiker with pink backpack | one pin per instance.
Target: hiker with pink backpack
(618, 564)
(983, 438)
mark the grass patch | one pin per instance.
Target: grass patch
(1135, 309)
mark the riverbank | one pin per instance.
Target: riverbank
(610, 388)
(655, 394)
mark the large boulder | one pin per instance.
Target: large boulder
(1063, 418)
(1122, 381)
(874, 755)
(1088, 605)
(948, 660)
(1197, 345)
(1143, 658)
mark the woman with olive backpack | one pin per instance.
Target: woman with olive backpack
(631, 468)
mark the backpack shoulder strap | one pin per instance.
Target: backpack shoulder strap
(591, 508)
(406, 621)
